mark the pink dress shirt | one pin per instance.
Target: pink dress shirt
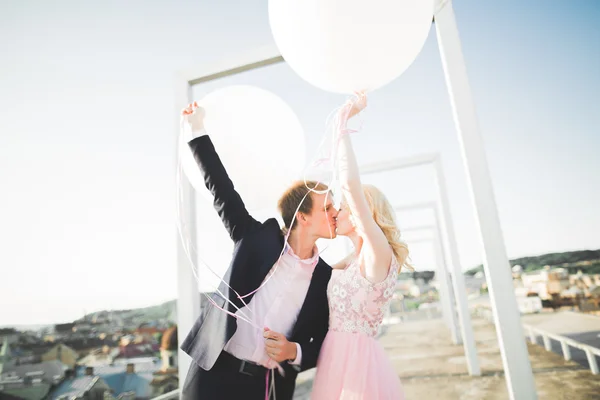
(276, 306)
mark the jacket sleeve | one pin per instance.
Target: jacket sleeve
(226, 201)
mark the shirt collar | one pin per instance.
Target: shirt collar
(312, 261)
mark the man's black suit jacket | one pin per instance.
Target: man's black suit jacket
(257, 247)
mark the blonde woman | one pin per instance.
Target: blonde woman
(352, 364)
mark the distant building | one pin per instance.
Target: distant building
(51, 372)
(164, 383)
(168, 348)
(28, 381)
(99, 357)
(132, 350)
(87, 387)
(546, 282)
(22, 390)
(129, 381)
(128, 378)
(148, 329)
(85, 345)
(62, 353)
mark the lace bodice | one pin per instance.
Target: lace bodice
(357, 305)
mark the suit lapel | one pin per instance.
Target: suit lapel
(272, 252)
(311, 294)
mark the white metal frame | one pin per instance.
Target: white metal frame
(513, 349)
(446, 293)
(458, 283)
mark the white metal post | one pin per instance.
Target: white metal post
(517, 367)
(458, 280)
(188, 295)
(441, 273)
(566, 350)
(445, 288)
(445, 299)
(455, 327)
(532, 336)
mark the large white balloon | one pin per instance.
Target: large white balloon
(259, 140)
(344, 46)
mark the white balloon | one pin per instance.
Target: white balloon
(259, 140)
(344, 46)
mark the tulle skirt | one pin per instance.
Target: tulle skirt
(354, 366)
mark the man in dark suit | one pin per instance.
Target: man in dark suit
(230, 356)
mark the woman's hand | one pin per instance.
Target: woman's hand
(358, 104)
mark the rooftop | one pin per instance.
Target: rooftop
(430, 366)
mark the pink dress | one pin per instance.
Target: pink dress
(352, 364)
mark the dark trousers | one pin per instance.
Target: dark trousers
(225, 382)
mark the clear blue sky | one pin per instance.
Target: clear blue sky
(87, 141)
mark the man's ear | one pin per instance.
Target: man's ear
(301, 218)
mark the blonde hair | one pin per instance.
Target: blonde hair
(384, 215)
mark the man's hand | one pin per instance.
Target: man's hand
(194, 116)
(277, 346)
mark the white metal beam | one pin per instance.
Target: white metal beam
(517, 367)
(446, 294)
(458, 286)
(188, 298)
(398, 163)
(419, 228)
(416, 206)
(232, 65)
(456, 328)
(458, 281)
